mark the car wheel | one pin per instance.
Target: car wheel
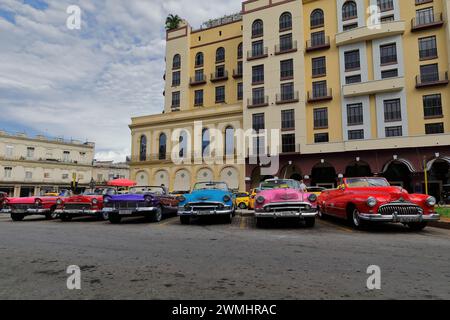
(17, 216)
(242, 206)
(310, 222)
(115, 218)
(355, 220)
(51, 216)
(417, 226)
(157, 215)
(105, 216)
(320, 213)
(185, 219)
(65, 217)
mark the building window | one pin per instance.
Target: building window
(258, 97)
(389, 18)
(385, 5)
(239, 51)
(199, 60)
(287, 92)
(258, 122)
(321, 138)
(143, 148)
(388, 54)
(176, 63)
(355, 114)
(229, 141)
(434, 128)
(257, 29)
(8, 172)
(428, 48)
(220, 55)
(429, 73)
(258, 74)
(353, 79)
(288, 143)
(199, 76)
(319, 67)
(286, 42)
(257, 48)
(287, 69)
(356, 134)
(240, 91)
(287, 119)
(30, 152)
(320, 89)
(9, 151)
(175, 100)
(285, 21)
(205, 142)
(349, 10)
(220, 72)
(320, 118)
(350, 26)
(176, 80)
(183, 143)
(162, 146)
(352, 61)
(220, 94)
(432, 106)
(392, 73)
(394, 131)
(317, 18)
(425, 16)
(198, 99)
(318, 39)
(392, 110)
(66, 156)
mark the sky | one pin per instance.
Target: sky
(86, 84)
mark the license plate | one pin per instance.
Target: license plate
(409, 219)
(125, 212)
(19, 211)
(287, 214)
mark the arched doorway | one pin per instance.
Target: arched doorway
(291, 171)
(162, 178)
(231, 176)
(438, 176)
(399, 173)
(205, 175)
(323, 175)
(182, 180)
(358, 169)
(142, 178)
(257, 178)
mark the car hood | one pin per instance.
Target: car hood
(284, 195)
(83, 199)
(206, 195)
(31, 200)
(128, 197)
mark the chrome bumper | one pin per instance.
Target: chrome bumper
(129, 211)
(182, 212)
(399, 218)
(286, 214)
(5, 211)
(81, 212)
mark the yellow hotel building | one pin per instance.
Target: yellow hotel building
(353, 93)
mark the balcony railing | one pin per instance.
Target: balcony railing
(320, 95)
(197, 80)
(237, 73)
(219, 76)
(258, 54)
(432, 79)
(313, 45)
(258, 102)
(290, 97)
(286, 48)
(427, 21)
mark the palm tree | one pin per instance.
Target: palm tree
(172, 22)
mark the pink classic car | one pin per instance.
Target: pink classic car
(284, 198)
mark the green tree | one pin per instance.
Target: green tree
(172, 22)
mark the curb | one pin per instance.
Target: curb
(443, 224)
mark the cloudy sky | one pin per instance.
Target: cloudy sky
(86, 84)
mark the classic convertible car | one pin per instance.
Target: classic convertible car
(3, 201)
(150, 202)
(90, 203)
(38, 205)
(284, 198)
(207, 199)
(363, 200)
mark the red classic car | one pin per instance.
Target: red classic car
(38, 205)
(363, 200)
(3, 208)
(90, 203)
(284, 198)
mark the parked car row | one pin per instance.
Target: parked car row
(360, 201)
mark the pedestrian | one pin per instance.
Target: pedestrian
(302, 186)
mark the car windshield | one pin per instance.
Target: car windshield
(241, 195)
(100, 192)
(277, 184)
(211, 186)
(315, 189)
(142, 190)
(366, 182)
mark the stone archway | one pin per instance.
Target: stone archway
(399, 173)
(182, 180)
(142, 178)
(231, 176)
(257, 178)
(358, 169)
(205, 175)
(438, 176)
(162, 178)
(291, 171)
(323, 174)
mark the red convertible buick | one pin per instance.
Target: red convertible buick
(365, 200)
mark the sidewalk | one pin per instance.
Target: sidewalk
(444, 223)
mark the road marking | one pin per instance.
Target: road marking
(243, 224)
(167, 222)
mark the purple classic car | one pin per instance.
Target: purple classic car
(150, 202)
(279, 198)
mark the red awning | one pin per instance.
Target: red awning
(121, 183)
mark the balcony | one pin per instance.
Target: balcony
(197, 80)
(286, 48)
(152, 158)
(175, 108)
(427, 22)
(385, 29)
(219, 76)
(373, 87)
(320, 95)
(285, 98)
(237, 73)
(258, 102)
(431, 80)
(315, 45)
(257, 54)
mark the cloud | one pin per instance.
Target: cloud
(88, 83)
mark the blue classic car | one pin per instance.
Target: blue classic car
(207, 199)
(149, 202)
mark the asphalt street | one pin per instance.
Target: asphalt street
(208, 260)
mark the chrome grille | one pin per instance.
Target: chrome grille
(23, 206)
(286, 207)
(77, 206)
(204, 206)
(125, 204)
(407, 209)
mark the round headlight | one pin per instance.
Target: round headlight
(181, 199)
(221, 206)
(37, 202)
(59, 202)
(312, 197)
(226, 198)
(371, 202)
(106, 200)
(260, 199)
(94, 201)
(431, 201)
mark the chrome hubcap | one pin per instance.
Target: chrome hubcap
(105, 216)
(356, 217)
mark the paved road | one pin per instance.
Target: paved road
(137, 260)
